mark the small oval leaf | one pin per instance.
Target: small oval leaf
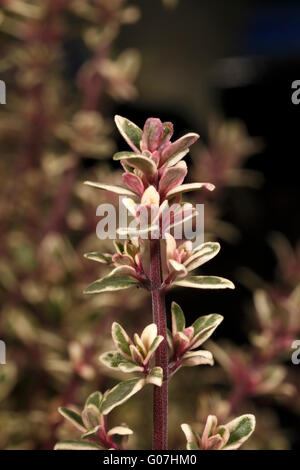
(111, 283)
(130, 131)
(112, 188)
(121, 393)
(205, 282)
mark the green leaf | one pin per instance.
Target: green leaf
(94, 399)
(112, 188)
(121, 393)
(240, 430)
(76, 445)
(145, 164)
(155, 377)
(205, 282)
(73, 417)
(121, 339)
(115, 360)
(109, 283)
(130, 131)
(189, 187)
(178, 320)
(95, 256)
(204, 327)
(204, 253)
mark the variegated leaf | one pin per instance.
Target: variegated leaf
(177, 268)
(172, 177)
(139, 344)
(205, 282)
(121, 393)
(73, 417)
(130, 131)
(179, 146)
(91, 416)
(145, 164)
(150, 197)
(109, 283)
(197, 358)
(155, 377)
(123, 270)
(204, 253)
(121, 340)
(99, 257)
(152, 133)
(179, 156)
(90, 432)
(156, 342)
(94, 399)
(168, 131)
(112, 188)
(224, 432)
(181, 342)
(134, 182)
(204, 327)
(136, 355)
(192, 437)
(184, 188)
(148, 335)
(240, 430)
(178, 319)
(115, 360)
(120, 431)
(209, 428)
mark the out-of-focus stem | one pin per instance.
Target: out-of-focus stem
(160, 396)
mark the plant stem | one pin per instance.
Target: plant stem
(160, 396)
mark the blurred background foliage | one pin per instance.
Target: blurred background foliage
(222, 69)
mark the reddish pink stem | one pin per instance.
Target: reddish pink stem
(160, 396)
